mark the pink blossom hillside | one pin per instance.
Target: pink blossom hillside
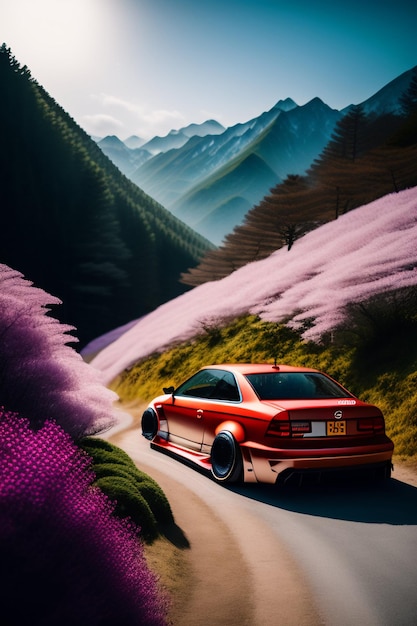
(367, 251)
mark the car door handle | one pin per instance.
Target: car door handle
(199, 413)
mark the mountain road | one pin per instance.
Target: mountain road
(264, 556)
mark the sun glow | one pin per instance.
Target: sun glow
(79, 49)
(51, 34)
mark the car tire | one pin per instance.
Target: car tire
(150, 424)
(385, 474)
(226, 458)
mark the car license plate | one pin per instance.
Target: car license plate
(336, 428)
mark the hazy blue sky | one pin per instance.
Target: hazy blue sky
(146, 66)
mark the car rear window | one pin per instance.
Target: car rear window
(295, 385)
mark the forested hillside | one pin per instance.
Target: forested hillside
(368, 156)
(73, 224)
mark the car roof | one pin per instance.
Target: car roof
(259, 368)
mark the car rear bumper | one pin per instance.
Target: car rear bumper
(268, 465)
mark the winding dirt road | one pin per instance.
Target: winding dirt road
(261, 557)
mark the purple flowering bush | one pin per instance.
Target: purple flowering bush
(65, 559)
(41, 377)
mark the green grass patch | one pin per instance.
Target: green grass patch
(245, 340)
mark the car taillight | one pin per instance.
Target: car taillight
(300, 428)
(279, 428)
(284, 428)
(371, 424)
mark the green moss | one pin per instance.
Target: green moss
(129, 503)
(106, 452)
(137, 494)
(112, 469)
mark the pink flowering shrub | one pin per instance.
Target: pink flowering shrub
(65, 559)
(41, 377)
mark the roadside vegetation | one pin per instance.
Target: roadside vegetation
(374, 355)
(74, 510)
(137, 495)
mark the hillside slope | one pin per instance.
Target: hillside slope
(368, 251)
(206, 209)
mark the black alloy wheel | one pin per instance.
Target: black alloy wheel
(226, 458)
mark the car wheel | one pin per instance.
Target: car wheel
(226, 458)
(149, 424)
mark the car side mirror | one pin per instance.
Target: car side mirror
(168, 390)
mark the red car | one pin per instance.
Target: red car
(268, 424)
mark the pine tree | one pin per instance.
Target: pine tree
(408, 100)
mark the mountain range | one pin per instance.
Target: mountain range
(210, 177)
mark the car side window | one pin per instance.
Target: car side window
(210, 384)
(226, 388)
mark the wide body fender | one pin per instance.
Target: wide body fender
(235, 428)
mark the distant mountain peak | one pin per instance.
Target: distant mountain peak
(110, 141)
(209, 127)
(134, 141)
(178, 138)
(316, 103)
(285, 105)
